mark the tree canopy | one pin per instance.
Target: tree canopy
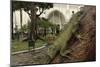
(27, 6)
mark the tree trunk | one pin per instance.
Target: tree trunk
(32, 28)
(21, 23)
(12, 35)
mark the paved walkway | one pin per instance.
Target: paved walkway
(24, 51)
(30, 57)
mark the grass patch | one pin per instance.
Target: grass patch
(19, 45)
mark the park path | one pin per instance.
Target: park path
(30, 57)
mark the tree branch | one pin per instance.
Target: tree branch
(40, 12)
(28, 13)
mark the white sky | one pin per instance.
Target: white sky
(16, 18)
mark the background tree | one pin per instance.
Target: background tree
(21, 20)
(31, 8)
(45, 24)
